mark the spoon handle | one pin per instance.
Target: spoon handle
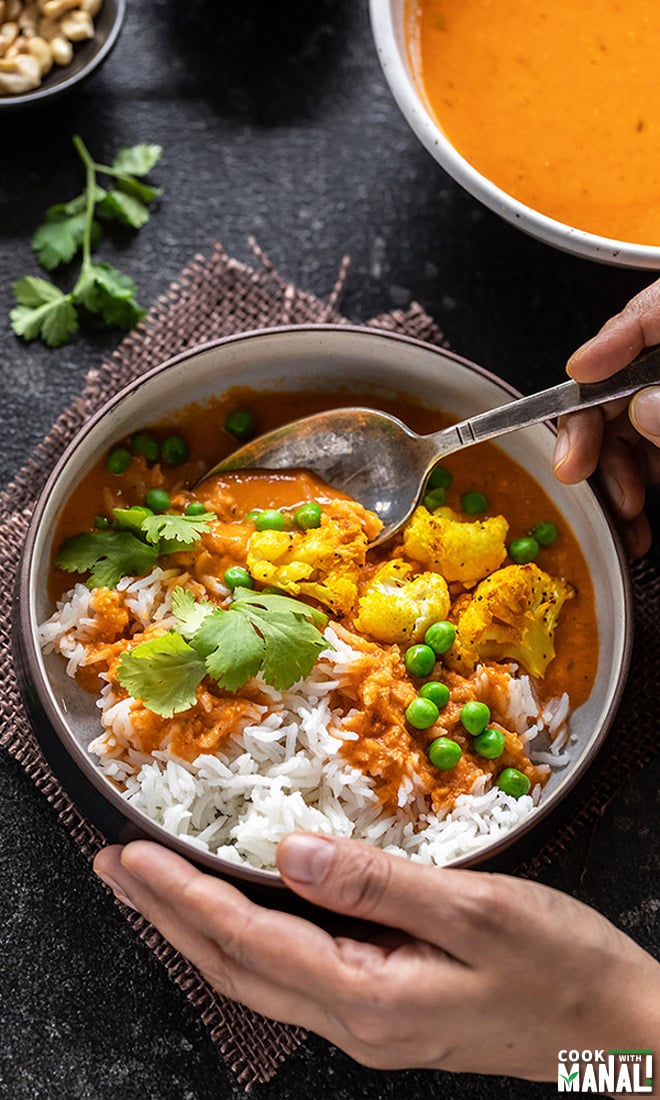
(565, 398)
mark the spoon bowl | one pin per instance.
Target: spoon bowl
(380, 462)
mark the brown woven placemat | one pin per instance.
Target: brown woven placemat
(213, 297)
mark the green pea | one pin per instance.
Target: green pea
(196, 508)
(308, 515)
(174, 450)
(475, 717)
(435, 499)
(241, 424)
(422, 713)
(473, 504)
(118, 460)
(440, 478)
(420, 660)
(437, 692)
(513, 782)
(444, 753)
(523, 550)
(157, 499)
(490, 743)
(270, 520)
(101, 523)
(146, 445)
(545, 533)
(237, 577)
(440, 636)
(251, 516)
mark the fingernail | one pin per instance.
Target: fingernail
(561, 448)
(117, 890)
(306, 858)
(575, 358)
(645, 412)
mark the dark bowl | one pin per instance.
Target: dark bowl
(87, 56)
(317, 358)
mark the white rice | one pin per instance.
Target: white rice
(283, 768)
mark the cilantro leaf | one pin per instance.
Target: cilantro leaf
(163, 673)
(231, 647)
(137, 160)
(59, 237)
(108, 556)
(189, 611)
(291, 643)
(43, 310)
(104, 290)
(274, 602)
(180, 529)
(124, 208)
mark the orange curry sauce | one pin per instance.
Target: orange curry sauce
(557, 103)
(379, 689)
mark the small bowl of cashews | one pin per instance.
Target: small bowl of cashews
(47, 46)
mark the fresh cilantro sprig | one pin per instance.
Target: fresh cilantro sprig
(42, 309)
(260, 632)
(132, 547)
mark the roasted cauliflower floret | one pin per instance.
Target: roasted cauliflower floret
(394, 608)
(460, 551)
(512, 614)
(323, 563)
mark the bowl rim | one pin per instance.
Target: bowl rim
(559, 234)
(29, 648)
(50, 91)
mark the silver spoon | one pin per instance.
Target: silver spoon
(379, 461)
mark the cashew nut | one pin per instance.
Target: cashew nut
(61, 49)
(55, 8)
(27, 20)
(77, 26)
(40, 49)
(8, 35)
(92, 7)
(19, 74)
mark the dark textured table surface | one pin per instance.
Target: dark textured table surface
(275, 121)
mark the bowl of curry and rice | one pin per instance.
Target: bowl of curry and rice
(213, 662)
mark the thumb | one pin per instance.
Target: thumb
(645, 413)
(359, 880)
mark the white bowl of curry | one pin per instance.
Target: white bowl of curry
(383, 611)
(548, 114)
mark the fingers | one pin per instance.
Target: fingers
(620, 339)
(578, 446)
(211, 923)
(457, 911)
(621, 476)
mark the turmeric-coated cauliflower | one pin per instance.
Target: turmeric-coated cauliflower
(461, 551)
(511, 614)
(394, 608)
(323, 563)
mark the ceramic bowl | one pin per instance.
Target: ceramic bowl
(322, 358)
(389, 21)
(87, 56)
